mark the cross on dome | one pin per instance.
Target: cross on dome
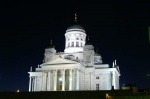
(75, 17)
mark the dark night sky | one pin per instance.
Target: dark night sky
(118, 29)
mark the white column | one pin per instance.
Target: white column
(35, 83)
(111, 80)
(80, 80)
(48, 81)
(70, 79)
(91, 81)
(63, 80)
(77, 86)
(30, 84)
(114, 80)
(44, 82)
(73, 79)
(83, 80)
(55, 80)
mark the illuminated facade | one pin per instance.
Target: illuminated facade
(79, 67)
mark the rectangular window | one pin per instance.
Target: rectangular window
(88, 59)
(97, 86)
(72, 45)
(97, 77)
(81, 44)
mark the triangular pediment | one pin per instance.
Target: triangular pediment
(59, 61)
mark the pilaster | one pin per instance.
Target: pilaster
(30, 84)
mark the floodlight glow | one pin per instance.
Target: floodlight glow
(70, 78)
(17, 90)
(60, 79)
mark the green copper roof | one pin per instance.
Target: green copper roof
(75, 26)
(97, 53)
(88, 43)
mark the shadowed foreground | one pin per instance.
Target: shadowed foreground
(119, 94)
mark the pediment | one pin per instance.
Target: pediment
(58, 61)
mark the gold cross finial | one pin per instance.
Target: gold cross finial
(75, 17)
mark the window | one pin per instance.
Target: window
(97, 77)
(77, 44)
(68, 44)
(81, 44)
(97, 86)
(77, 38)
(88, 59)
(72, 45)
(81, 39)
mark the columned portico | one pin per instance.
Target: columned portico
(79, 67)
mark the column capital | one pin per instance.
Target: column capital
(77, 69)
(70, 69)
(54, 70)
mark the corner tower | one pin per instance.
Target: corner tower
(75, 38)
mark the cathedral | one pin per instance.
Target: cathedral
(79, 67)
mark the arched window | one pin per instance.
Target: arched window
(72, 44)
(77, 44)
(68, 44)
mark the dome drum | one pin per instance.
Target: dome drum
(75, 39)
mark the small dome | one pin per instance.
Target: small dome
(75, 26)
(88, 42)
(97, 53)
(51, 46)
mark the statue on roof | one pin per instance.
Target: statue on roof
(31, 69)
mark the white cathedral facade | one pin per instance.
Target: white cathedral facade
(79, 67)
